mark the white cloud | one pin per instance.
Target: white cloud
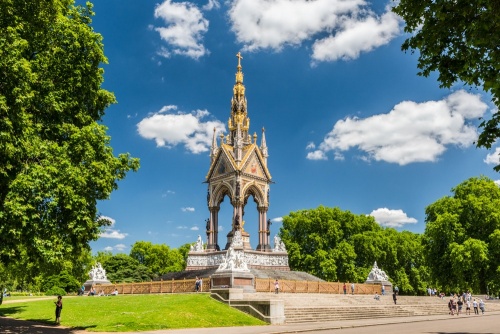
(310, 146)
(187, 209)
(357, 36)
(350, 27)
(220, 228)
(182, 227)
(277, 220)
(184, 30)
(188, 129)
(109, 232)
(493, 158)
(113, 234)
(118, 247)
(317, 155)
(497, 182)
(391, 218)
(211, 5)
(194, 228)
(410, 132)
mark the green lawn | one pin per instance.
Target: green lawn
(133, 312)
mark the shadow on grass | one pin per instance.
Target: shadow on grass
(32, 326)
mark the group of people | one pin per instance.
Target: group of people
(457, 303)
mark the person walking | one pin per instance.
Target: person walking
(352, 288)
(459, 304)
(395, 297)
(474, 304)
(276, 287)
(345, 289)
(481, 306)
(58, 309)
(383, 290)
(467, 307)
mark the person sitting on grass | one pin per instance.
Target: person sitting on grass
(377, 297)
(114, 293)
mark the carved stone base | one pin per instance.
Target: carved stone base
(233, 279)
(254, 259)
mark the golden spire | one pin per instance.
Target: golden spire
(239, 104)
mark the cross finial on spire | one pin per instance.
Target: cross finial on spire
(240, 57)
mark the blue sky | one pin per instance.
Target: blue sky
(348, 121)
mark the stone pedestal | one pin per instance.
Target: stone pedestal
(94, 283)
(387, 285)
(233, 280)
(245, 238)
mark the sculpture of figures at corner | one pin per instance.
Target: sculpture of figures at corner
(237, 222)
(237, 240)
(377, 274)
(208, 225)
(233, 261)
(208, 197)
(268, 195)
(198, 246)
(97, 273)
(279, 246)
(268, 226)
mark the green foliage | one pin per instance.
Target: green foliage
(55, 291)
(337, 245)
(462, 237)
(55, 156)
(123, 268)
(63, 280)
(459, 40)
(160, 259)
(135, 313)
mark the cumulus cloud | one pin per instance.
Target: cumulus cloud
(182, 227)
(410, 132)
(185, 28)
(113, 234)
(391, 218)
(356, 36)
(118, 247)
(170, 127)
(338, 29)
(187, 209)
(194, 228)
(277, 220)
(497, 182)
(109, 231)
(493, 158)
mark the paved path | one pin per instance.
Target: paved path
(439, 324)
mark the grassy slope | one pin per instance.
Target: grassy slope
(133, 312)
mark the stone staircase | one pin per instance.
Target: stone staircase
(301, 308)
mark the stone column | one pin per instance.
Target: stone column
(263, 237)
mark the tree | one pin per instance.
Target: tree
(459, 39)
(159, 259)
(338, 245)
(55, 157)
(462, 237)
(123, 268)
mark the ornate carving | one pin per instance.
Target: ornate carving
(237, 240)
(97, 273)
(279, 246)
(198, 246)
(233, 261)
(377, 274)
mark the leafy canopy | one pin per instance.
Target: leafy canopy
(338, 245)
(462, 237)
(460, 40)
(56, 161)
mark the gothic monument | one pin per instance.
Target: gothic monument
(238, 170)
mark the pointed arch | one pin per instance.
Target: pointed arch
(252, 189)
